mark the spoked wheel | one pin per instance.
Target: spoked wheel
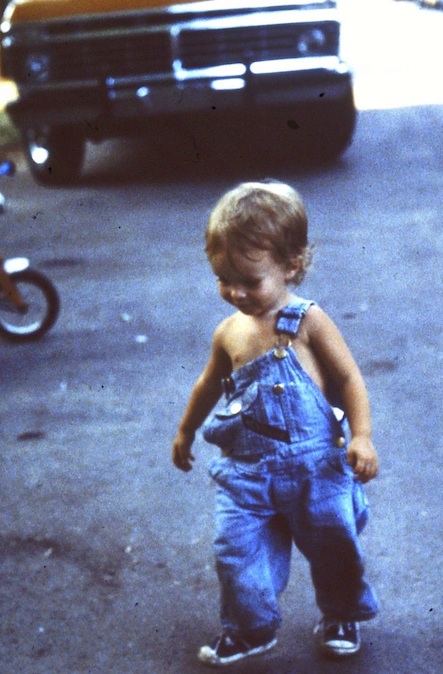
(42, 302)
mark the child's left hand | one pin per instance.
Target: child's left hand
(363, 458)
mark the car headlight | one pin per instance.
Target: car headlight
(311, 42)
(38, 67)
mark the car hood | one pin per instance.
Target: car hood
(39, 10)
(36, 10)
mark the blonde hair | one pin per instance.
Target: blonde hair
(266, 215)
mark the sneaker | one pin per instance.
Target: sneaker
(338, 638)
(226, 650)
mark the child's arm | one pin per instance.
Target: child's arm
(335, 356)
(204, 396)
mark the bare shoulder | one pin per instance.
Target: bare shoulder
(315, 323)
(226, 328)
(222, 340)
(235, 339)
(321, 336)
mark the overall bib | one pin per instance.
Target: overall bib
(283, 477)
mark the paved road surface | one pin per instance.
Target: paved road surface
(105, 549)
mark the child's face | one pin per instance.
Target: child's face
(253, 282)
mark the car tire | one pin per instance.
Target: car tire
(307, 134)
(321, 131)
(55, 155)
(333, 127)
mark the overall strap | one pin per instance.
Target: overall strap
(289, 318)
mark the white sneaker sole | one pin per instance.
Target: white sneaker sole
(208, 656)
(339, 649)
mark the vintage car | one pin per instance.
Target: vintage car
(96, 69)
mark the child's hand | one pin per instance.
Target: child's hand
(182, 456)
(363, 458)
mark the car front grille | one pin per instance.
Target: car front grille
(98, 59)
(203, 49)
(149, 54)
(147, 51)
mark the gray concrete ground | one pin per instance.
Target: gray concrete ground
(105, 549)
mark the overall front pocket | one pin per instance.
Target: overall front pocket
(255, 413)
(284, 412)
(225, 426)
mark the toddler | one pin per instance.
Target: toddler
(294, 431)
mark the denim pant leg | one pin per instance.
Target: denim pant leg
(252, 548)
(329, 540)
(279, 542)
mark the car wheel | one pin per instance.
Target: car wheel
(55, 156)
(333, 126)
(320, 132)
(308, 133)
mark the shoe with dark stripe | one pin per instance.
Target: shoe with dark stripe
(226, 649)
(338, 638)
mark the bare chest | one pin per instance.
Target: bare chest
(243, 346)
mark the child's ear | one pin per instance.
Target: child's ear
(293, 267)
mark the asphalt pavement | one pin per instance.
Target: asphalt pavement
(105, 549)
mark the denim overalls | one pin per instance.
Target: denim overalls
(283, 476)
